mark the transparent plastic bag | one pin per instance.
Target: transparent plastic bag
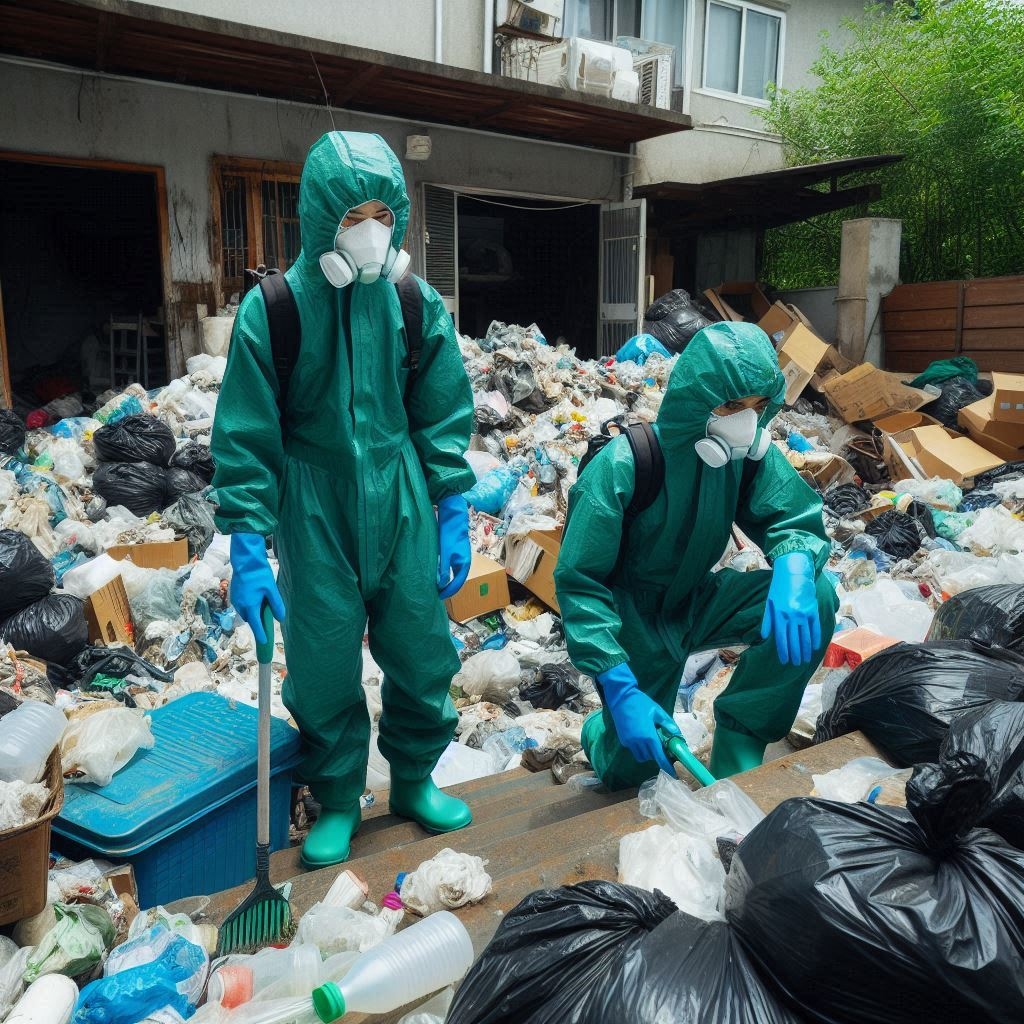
(705, 813)
(12, 982)
(491, 675)
(339, 930)
(100, 745)
(76, 944)
(995, 532)
(855, 781)
(445, 882)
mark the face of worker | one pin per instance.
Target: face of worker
(756, 402)
(371, 210)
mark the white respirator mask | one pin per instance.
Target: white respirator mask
(730, 438)
(363, 253)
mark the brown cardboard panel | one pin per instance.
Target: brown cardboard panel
(109, 614)
(867, 393)
(777, 322)
(979, 417)
(485, 590)
(745, 294)
(541, 581)
(171, 554)
(901, 422)
(958, 459)
(822, 473)
(799, 357)
(1008, 397)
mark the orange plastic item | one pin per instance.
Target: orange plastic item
(854, 646)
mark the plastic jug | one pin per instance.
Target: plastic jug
(27, 735)
(294, 971)
(424, 958)
(49, 1000)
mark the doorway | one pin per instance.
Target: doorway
(80, 251)
(524, 261)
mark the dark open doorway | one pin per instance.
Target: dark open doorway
(80, 250)
(528, 261)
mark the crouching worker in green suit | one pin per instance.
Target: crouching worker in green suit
(632, 618)
(345, 480)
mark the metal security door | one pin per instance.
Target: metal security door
(623, 253)
(441, 245)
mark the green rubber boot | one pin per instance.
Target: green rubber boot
(734, 752)
(425, 804)
(330, 837)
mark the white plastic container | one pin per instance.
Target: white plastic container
(294, 971)
(348, 890)
(49, 1000)
(27, 735)
(84, 580)
(426, 957)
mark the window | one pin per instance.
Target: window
(602, 20)
(741, 49)
(257, 211)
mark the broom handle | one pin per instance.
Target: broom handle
(265, 657)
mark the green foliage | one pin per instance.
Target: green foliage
(943, 84)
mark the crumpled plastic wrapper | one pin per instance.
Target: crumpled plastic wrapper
(445, 882)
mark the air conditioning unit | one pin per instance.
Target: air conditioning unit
(536, 17)
(583, 65)
(655, 75)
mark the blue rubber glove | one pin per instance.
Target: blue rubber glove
(792, 609)
(456, 555)
(639, 347)
(252, 582)
(637, 718)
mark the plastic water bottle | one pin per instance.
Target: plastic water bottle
(426, 957)
(49, 1000)
(27, 735)
(294, 971)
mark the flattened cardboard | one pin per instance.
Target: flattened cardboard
(958, 459)
(485, 590)
(979, 418)
(751, 294)
(903, 422)
(799, 357)
(867, 393)
(110, 615)
(1008, 397)
(541, 582)
(822, 473)
(171, 554)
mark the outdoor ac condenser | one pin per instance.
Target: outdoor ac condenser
(655, 73)
(583, 65)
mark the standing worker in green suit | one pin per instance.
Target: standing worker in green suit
(345, 481)
(633, 617)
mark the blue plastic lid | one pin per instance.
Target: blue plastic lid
(399, 879)
(204, 757)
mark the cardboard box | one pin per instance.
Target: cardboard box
(109, 614)
(833, 365)
(485, 590)
(853, 646)
(799, 357)
(25, 854)
(825, 469)
(745, 294)
(171, 554)
(979, 419)
(1008, 397)
(952, 458)
(540, 558)
(778, 322)
(898, 446)
(867, 393)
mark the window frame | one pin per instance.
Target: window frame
(744, 6)
(254, 173)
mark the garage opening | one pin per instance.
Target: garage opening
(526, 261)
(81, 280)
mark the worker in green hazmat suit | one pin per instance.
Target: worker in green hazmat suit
(632, 618)
(345, 482)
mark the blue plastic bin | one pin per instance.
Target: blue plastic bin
(184, 813)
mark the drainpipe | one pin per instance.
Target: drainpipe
(438, 31)
(488, 36)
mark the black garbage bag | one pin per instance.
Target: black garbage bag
(922, 513)
(553, 950)
(978, 780)
(904, 698)
(12, 432)
(196, 457)
(674, 319)
(90, 662)
(25, 574)
(1007, 471)
(956, 393)
(975, 501)
(53, 629)
(856, 915)
(183, 481)
(192, 515)
(135, 439)
(897, 533)
(140, 486)
(993, 615)
(845, 499)
(554, 686)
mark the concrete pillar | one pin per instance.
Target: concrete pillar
(869, 268)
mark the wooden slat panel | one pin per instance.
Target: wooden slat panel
(994, 316)
(920, 320)
(995, 291)
(994, 338)
(1008, 361)
(920, 341)
(930, 295)
(911, 362)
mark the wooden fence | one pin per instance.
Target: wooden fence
(982, 319)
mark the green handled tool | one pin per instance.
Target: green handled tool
(264, 916)
(676, 748)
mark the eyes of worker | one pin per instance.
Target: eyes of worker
(755, 402)
(372, 210)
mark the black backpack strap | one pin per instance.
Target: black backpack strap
(411, 298)
(285, 332)
(648, 467)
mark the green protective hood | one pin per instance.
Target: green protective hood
(722, 363)
(343, 170)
